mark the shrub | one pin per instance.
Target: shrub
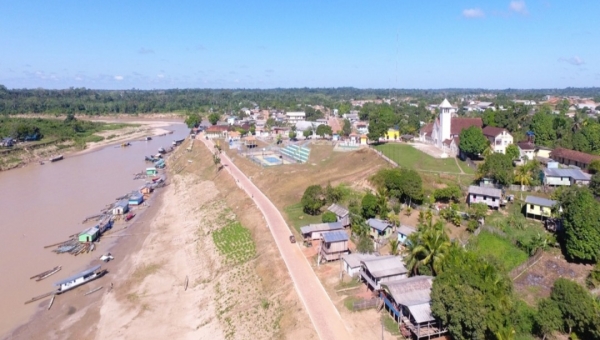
(329, 217)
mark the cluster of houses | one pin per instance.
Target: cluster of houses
(407, 299)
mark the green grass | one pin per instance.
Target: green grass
(499, 250)
(390, 324)
(235, 243)
(408, 157)
(349, 302)
(298, 218)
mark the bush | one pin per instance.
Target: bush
(329, 217)
(447, 194)
(365, 245)
(369, 206)
(312, 200)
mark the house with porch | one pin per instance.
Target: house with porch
(334, 244)
(571, 157)
(499, 138)
(492, 197)
(564, 177)
(381, 270)
(379, 229)
(314, 231)
(293, 117)
(538, 207)
(404, 232)
(409, 302)
(342, 214)
(121, 207)
(351, 262)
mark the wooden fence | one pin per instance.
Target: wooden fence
(365, 304)
(515, 273)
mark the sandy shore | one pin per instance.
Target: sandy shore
(253, 299)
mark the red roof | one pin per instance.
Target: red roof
(217, 128)
(458, 124)
(526, 146)
(491, 131)
(573, 155)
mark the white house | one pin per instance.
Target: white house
(499, 138)
(351, 262)
(293, 117)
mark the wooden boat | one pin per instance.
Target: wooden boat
(79, 279)
(178, 141)
(56, 270)
(171, 132)
(125, 144)
(56, 158)
(161, 150)
(148, 138)
(44, 273)
(129, 216)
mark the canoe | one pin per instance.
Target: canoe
(57, 158)
(46, 272)
(56, 270)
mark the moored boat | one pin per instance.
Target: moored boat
(148, 138)
(56, 158)
(79, 279)
(44, 273)
(50, 273)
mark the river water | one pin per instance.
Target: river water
(44, 204)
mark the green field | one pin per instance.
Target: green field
(298, 218)
(408, 157)
(498, 249)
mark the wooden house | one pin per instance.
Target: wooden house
(314, 231)
(216, 131)
(334, 244)
(89, 235)
(538, 207)
(379, 228)
(490, 196)
(136, 199)
(565, 177)
(342, 214)
(409, 302)
(234, 136)
(146, 189)
(404, 232)
(351, 262)
(383, 269)
(121, 207)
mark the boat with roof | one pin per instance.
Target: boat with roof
(79, 279)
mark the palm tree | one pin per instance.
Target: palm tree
(505, 333)
(429, 247)
(394, 246)
(523, 176)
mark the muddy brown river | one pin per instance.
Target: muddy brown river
(44, 204)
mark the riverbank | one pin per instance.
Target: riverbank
(140, 127)
(252, 297)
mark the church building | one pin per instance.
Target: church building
(445, 130)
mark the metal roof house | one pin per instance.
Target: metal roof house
(409, 302)
(121, 207)
(351, 262)
(565, 177)
(379, 228)
(490, 196)
(538, 207)
(136, 198)
(89, 235)
(314, 231)
(334, 244)
(383, 269)
(343, 215)
(404, 232)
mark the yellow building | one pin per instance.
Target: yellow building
(392, 134)
(538, 207)
(364, 140)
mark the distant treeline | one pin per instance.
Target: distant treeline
(98, 102)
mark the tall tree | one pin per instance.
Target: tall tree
(214, 118)
(346, 128)
(513, 152)
(472, 141)
(323, 130)
(542, 125)
(575, 303)
(581, 221)
(499, 167)
(312, 200)
(369, 206)
(548, 318)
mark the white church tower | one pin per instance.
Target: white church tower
(445, 119)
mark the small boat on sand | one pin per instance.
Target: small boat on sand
(125, 145)
(56, 158)
(79, 279)
(148, 138)
(129, 216)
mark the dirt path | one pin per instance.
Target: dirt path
(321, 310)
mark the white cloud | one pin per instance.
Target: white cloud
(473, 13)
(518, 6)
(576, 61)
(161, 76)
(119, 78)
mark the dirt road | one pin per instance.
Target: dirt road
(325, 317)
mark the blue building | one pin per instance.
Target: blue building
(136, 198)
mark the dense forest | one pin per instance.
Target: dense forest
(98, 102)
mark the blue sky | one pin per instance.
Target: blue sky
(265, 44)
